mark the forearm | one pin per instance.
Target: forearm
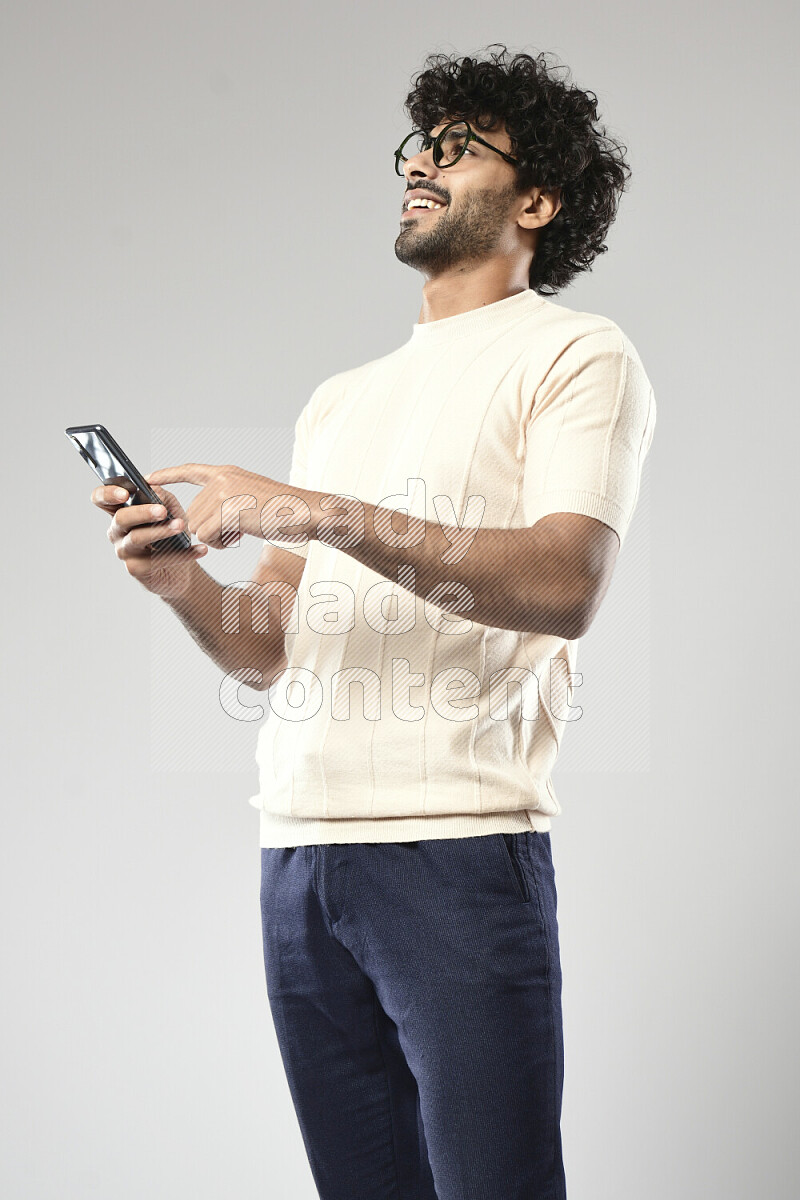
(505, 578)
(199, 608)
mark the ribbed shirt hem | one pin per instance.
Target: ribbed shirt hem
(277, 830)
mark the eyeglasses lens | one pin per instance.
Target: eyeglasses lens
(447, 150)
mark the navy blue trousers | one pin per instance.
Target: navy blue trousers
(415, 989)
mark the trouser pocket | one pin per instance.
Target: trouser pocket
(512, 850)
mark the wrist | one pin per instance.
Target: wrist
(313, 499)
(185, 587)
(335, 519)
(285, 519)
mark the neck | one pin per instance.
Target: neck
(465, 287)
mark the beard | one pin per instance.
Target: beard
(467, 234)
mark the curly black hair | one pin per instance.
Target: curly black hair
(554, 134)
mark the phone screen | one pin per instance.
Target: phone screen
(113, 466)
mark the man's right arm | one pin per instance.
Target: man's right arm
(256, 638)
(200, 609)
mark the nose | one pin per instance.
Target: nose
(420, 164)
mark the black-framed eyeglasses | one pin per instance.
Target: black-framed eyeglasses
(449, 146)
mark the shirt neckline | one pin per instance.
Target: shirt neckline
(476, 320)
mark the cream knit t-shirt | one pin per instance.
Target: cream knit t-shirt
(395, 719)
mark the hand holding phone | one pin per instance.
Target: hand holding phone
(156, 553)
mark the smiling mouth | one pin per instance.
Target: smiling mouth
(417, 212)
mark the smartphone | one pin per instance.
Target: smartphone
(109, 461)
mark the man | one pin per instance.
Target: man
(451, 524)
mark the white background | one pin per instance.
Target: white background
(198, 217)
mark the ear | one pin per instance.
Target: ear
(540, 208)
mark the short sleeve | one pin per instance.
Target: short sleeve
(589, 432)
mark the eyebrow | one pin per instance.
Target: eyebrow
(473, 143)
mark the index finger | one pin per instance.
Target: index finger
(187, 473)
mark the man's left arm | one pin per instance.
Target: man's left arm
(546, 578)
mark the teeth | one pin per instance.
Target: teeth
(421, 203)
